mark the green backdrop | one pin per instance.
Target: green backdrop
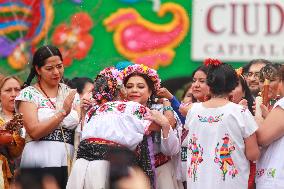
(103, 52)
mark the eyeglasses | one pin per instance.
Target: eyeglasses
(254, 74)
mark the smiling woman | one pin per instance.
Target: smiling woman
(51, 114)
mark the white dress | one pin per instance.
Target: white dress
(46, 153)
(169, 174)
(216, 149)
(119, 122)
(270, 166)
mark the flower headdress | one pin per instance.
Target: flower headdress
(142, 69)
(106, 84)
(212, 62)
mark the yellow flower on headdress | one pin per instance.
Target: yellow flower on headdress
(145, 68)
(239, 71)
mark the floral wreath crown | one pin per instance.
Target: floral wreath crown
(142, 69)
(106, 84)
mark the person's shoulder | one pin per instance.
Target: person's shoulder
(279, 103)
(30, 90)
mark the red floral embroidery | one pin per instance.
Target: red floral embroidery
(74, 41)
(103, 108)
(142, 110)
(121, 107)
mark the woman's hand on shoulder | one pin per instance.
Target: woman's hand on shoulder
(158, 118)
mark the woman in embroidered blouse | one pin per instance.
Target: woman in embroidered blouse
(270, 135)
(221, 135)
(50, 116)
(9, 89)
(141, 84)
(109, 124)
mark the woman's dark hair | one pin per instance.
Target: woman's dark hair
(221, 79)
(79, 83)
(202, 68)
(248, 96)
(149, 82)
(39, 58)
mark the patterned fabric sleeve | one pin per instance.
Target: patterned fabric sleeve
(249, 125)
(27, 95)
(140, 111)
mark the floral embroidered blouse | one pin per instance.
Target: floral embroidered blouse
(270, 166)
(118, 121)
(216, 149)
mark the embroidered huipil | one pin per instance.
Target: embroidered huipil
(270, 167)
(44, 153)
(216, 150)
(119, 121)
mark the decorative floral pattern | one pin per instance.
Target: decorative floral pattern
(106, 85)
(270, 173)
(210, 119)
(74, 41)
(121, 107)
(224, 159)
(140, 112)
(117, 107)
(196, 152)
(142, 69)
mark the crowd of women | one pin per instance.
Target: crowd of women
(123, 130)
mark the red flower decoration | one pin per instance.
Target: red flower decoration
(121, 107)
(74, 41)
(142, 111)
(213, 62)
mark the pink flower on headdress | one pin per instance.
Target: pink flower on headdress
(113, 74)
(142, 69)
(213, 62)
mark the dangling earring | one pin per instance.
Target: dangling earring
(149, 102)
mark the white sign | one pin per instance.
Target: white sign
(238, 30)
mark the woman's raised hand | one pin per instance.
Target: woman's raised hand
(67, 105)
(86, 101)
